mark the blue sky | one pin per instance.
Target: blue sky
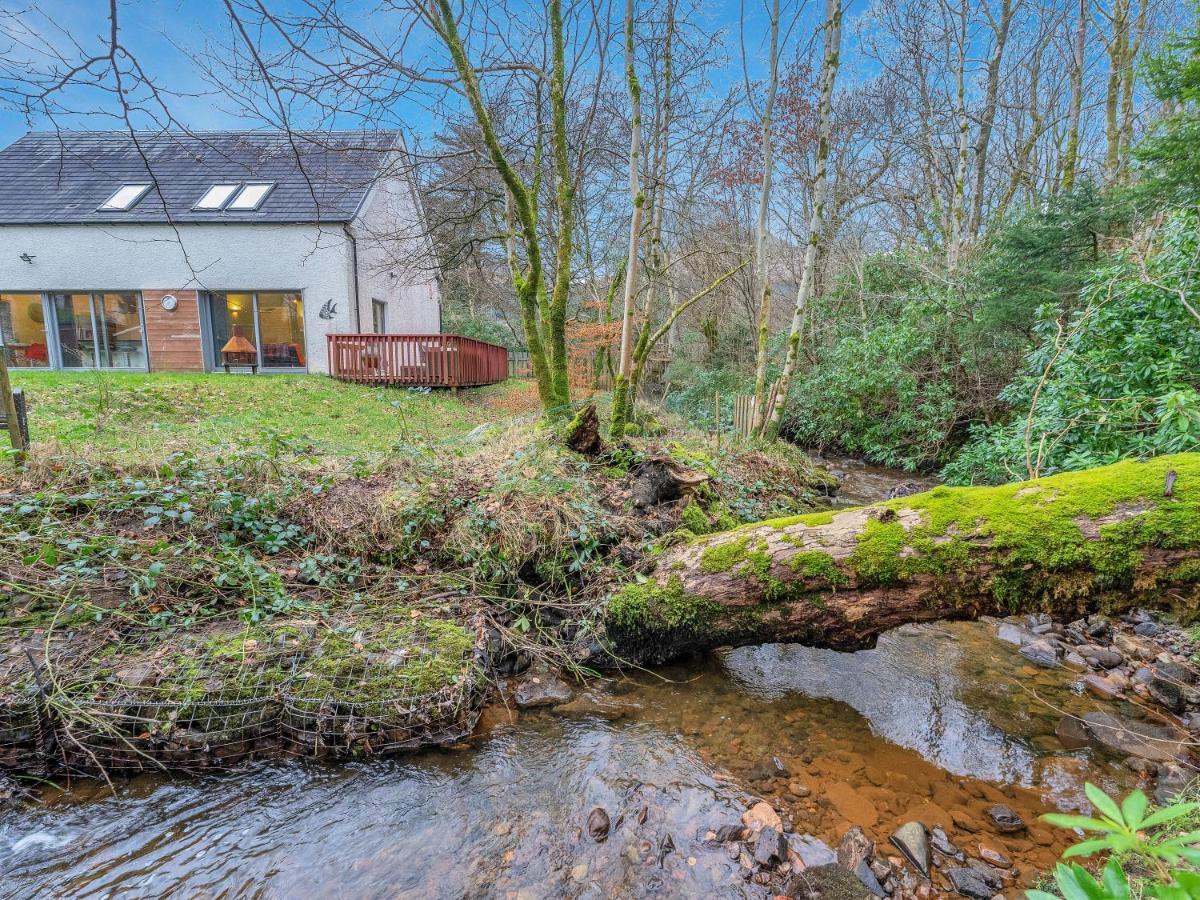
(156, 30)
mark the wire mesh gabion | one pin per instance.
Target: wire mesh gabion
(360, 685)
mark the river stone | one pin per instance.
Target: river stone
(969, 883)
(994, 857)
(1013, 634)
(1042, 653)
(828, 882)
(1134, 647)
(1133, 738)
(771, 847)
(598, 824)
(542, 690)
(1167, 693)
(1072, 733)
(852, 805)
(943, 845)
(993, 878)
(912, 840)
(1074, 661)
(811, 851)
(1101, 687)
(1177, 672)
(1109, 659)
(1147, 629)
(854, 847)
(867, 877)
(1171, 780)
(1004, 820)
(761, 815)
(727, 833)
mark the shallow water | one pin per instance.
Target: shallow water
(936, 724)
(864, 482)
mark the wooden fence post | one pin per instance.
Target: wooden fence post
(717, 417)
(15, 436)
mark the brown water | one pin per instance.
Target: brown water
(937, 723)
(864, 482)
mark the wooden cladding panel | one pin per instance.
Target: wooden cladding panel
(173, 338)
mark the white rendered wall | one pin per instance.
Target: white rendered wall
(237, 257)
(396, 263)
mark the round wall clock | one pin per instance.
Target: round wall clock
(169, 302)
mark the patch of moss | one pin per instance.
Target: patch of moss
(813, 564)
(694, 519)
(809, 519)
(724, 555)
(396, 662)
(876, 559)
(1187, 571)
(1037, 524)
(650, 606)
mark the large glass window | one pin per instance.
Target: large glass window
(101, 331)
(23, 331)
(121, 344)
(76, 330)
(266, 329)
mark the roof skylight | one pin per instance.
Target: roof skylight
(216, 196)
(251, 196)
(125, 197)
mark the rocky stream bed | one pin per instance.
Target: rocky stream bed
(915, 769)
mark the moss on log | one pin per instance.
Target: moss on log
(1104, 539)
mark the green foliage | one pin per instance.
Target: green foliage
(1118, 378)
(1169, 156)
(1135, 838)
(902, 355)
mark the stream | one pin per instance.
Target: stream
(936, 724)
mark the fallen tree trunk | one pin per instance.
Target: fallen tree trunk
(1103, 539)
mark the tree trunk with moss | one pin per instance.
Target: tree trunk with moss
(1069, 544)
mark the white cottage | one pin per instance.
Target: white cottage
(183, 252)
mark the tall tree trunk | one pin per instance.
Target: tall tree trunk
(958, 199)
(656, 269)
(537, 315)
(762, 277)
(1117, 51)
(816, 222)
(1071, 157)
(1069, 544)
(620, 407)
(564, 196)
(1000, 30)
(1128, 77)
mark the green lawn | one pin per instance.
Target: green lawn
(126, 415)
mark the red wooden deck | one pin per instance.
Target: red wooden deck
(434, 360)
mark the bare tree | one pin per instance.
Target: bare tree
(816, 225)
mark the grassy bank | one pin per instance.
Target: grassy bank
(127, 415)
(203, 568)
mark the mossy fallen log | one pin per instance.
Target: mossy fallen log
(1102, 539)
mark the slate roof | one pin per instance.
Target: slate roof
(64, 177)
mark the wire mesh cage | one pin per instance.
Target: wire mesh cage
(357, 685)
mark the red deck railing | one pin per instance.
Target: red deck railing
(436, 360)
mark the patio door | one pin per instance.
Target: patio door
(99, 331)
(266, 327)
